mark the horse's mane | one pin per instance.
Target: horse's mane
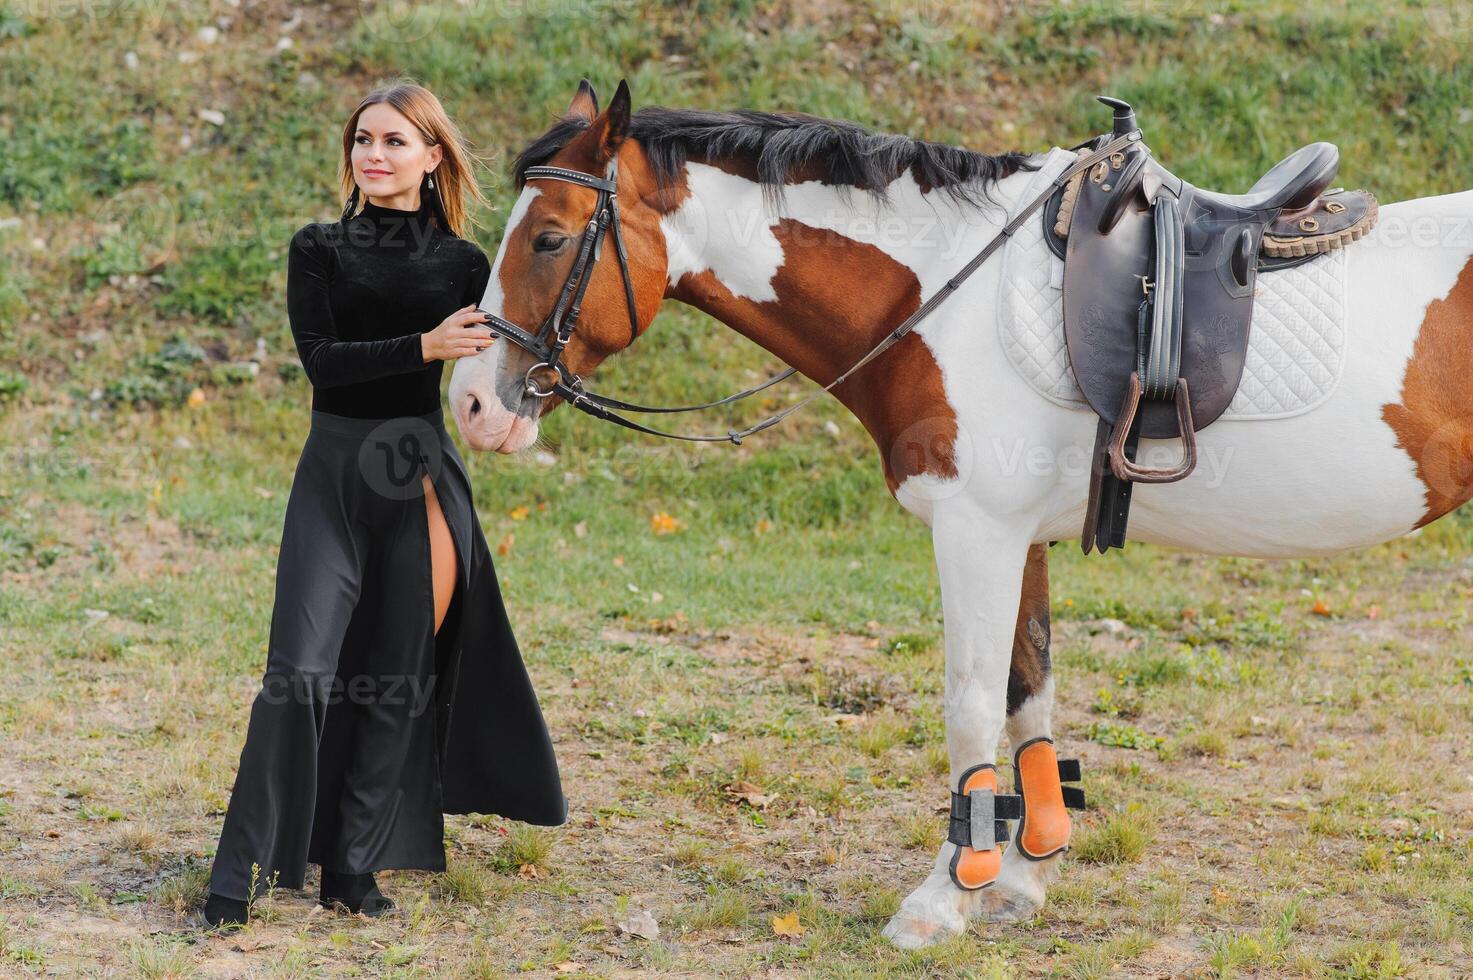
(777, 144)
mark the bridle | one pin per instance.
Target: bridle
(556, 330)
(552, 336)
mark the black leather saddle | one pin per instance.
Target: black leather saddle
(1159, 280)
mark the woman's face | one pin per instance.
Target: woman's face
(390, 157)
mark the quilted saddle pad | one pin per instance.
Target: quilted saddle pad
(1296, 345)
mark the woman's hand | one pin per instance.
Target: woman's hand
(455, 337)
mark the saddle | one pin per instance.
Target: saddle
(1158, 295)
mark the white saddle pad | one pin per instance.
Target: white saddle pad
(1296, 346)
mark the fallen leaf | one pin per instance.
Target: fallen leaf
(663, 523)
(1320, 609)
(504, 548)
(529, 872)
(641, 924)
(1373, 612)
(763, 526)
(749, 793)
(568, 966)
(843, 720)
(786, 925)
(581, 529)
(196, 398)
(519, 513)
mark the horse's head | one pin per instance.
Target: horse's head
(544, 235)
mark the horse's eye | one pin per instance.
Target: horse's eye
(549, 241)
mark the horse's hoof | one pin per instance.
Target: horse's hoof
(909, 931)
(1002, 904)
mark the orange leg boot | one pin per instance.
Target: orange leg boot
(979, 823)
(1043, 830)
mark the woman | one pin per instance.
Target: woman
(394, 691)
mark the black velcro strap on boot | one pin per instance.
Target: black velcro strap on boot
(1069, 772)
(971, 813)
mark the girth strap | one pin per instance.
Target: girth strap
(1159, 355)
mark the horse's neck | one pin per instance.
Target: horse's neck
(822, 283)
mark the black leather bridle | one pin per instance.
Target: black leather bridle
(550, 339)
(557, 329)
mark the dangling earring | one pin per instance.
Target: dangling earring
(352, 203)
(435, 202)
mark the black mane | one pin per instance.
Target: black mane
(778, 143)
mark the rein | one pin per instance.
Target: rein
(554, 333)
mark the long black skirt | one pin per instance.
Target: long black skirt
(369, 724)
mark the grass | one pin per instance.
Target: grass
(1268, 787)
(1121, 838)
(526, 850)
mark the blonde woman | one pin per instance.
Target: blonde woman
(394, 691)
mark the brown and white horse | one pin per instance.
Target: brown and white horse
(869, 227)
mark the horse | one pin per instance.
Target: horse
(814, 238)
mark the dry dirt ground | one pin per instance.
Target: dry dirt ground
(1277, 788)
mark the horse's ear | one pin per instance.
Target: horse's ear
(585, 101)
(613, 127)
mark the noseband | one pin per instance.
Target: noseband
(548, 342)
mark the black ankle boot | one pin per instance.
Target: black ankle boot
(356, 893)
(221, 912)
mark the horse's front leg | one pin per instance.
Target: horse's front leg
(981, 562)
(1020, 886)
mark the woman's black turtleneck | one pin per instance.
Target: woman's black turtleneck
(360, 292)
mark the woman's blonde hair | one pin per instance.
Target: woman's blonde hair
(455, 178)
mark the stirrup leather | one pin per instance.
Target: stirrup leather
(1043, 829)
(979, 823)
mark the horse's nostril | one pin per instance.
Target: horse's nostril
(475, 406)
